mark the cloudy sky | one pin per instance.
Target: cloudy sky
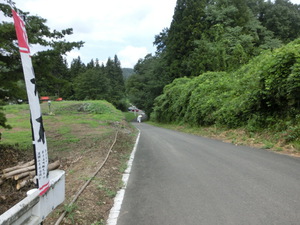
(108, 28)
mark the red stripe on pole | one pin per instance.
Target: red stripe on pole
(38, 134)
(21, 33)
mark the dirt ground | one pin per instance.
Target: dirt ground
(81, 159)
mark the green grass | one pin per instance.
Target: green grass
(15, 108)
(266, 139)
(268, 145)
(101, 222)
(102, 185)
(124, 160)
(296, 144)
(21, 139)
(70, 209)
(129, 116)
(64, 130)
(90, 123)
(92, 113)
(110, 193)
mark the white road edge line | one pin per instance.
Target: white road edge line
(115, 210)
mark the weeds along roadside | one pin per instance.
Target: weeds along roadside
(265, 139)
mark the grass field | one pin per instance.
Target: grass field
(79, 134)
(90, 113)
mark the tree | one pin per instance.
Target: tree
(186, 27)
(91, 84)
(3, 120)
(10, 67)
(52, 74)
(161, 40)
(91, 64)
(51, 68)
(44, 62)
(97, 81)
(232, 37)
(76, 67)
(116, 82)
(210, 35)
(281, 17)
(146, 83)
(127, 72)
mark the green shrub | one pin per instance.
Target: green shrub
(256, 96)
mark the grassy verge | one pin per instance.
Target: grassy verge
(265, 139)
(129, 116)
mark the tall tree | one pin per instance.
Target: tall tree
(282, 18)
(91, 84)
(160, 41)
(185, 28)
(52, 74)
(146, 83)
(10, 67)
(115, 75)
(76, 67)
(232, 37)
(91, 64)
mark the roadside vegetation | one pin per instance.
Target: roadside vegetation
(265, 139)
(261, 98)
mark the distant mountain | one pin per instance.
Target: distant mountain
(127, 72)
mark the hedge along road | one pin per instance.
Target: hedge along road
(184, 179)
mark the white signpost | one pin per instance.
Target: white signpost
(38, 132)
(51, 187)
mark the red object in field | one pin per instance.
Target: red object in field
(58, 99)
(44, 98)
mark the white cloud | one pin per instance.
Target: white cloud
(130, 55)
(72, 55)
(126, 28)
(106, 27)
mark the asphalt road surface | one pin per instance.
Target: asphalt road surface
(188, 180)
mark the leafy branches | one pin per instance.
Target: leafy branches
(257, 95)
(49, 64)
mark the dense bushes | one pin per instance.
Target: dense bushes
(258, 95)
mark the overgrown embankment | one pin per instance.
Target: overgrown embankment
(261, 97)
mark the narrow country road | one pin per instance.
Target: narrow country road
(180, 179)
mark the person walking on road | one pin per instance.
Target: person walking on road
(139, 118)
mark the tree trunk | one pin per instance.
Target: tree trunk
(18, 171)
(7, 170)
(24, 173)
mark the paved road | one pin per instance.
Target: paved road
(188, 180)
